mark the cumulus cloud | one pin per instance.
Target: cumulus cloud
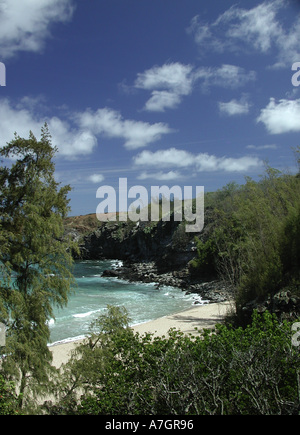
(77, 134)
(110, 123)
(69, 140)
(257, 26)
(281, 117)
(164, 158)
(162, 100)
(226, 76)
(206, 162)
(168, 83)
(172, 76)
(161, 176)
(25, 25)
(256, 29)
(234, 107)
(96, 178)
(202, 162)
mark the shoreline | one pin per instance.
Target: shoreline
(204, 316)
(213, 289)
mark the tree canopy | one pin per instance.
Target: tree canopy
(35, 260)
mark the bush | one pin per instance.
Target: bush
(253, 236)
(8, 399)
(204, 263)
(229, 371)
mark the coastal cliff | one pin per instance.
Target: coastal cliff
(149, 252)
(162, 252)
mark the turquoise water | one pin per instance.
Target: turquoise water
(93, 293)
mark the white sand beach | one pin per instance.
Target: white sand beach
(199, 316)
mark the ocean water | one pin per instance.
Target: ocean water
(144, 302)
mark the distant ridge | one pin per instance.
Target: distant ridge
(88, 222)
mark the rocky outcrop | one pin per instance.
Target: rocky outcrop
(284, 304)
(136, 242)
(212, 291)
(159, 253)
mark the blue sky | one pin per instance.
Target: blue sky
(174, 92)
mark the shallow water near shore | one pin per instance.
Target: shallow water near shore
(144, 302)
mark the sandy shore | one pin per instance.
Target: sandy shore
(199, 316)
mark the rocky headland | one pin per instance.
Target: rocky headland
(162, 253)
(159, 253)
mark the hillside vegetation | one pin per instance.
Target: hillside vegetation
(252, 238)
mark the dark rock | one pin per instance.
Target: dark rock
(285, 305)
(127, 241)
(110, 273)
(160, 254)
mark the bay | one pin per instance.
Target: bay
(92, 294)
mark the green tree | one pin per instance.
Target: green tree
(252, 236)
(230, 371)
(35, 260)
(8, 400)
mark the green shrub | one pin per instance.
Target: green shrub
(252, 236)
(229, 371)
(8, 399)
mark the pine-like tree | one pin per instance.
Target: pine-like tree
(35, 260)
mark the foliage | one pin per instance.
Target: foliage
(8, 400)
(228, 371)
(253, 235)
(204, 263)
(35, 261)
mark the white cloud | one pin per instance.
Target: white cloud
(202, 162)
(168, 83)
(226, 76)
(162, 176)
(206, 162)
(281, 117)
(289, 45)
(257, 26)
(69, 141)
(164, 158)
(25, 24)
(173, 76)
(203, 35)
(162, 100)
(96, 178)
(254, 29)
(12, 120)
(110, 123)
(234, 107)
(78, 134)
